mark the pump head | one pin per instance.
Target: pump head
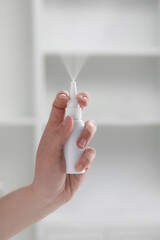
(73, 109)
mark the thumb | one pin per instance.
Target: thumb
(58, 108)
(62, 132)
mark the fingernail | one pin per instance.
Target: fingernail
(82, 142)
(66, 121)
(63, 95)
(85, 99)
(79, 167)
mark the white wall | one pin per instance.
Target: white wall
(15, 56)
(15, 70)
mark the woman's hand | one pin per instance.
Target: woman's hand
(51, 187)
(51, 182)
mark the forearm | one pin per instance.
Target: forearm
(20, 209)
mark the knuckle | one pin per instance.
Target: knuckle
(89, 155)
(94, 124)
(88, 161)
(92, 152)
(91, 127)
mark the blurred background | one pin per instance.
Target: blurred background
(120, 43)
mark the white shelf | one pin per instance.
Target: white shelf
(17, 163)
(17, 122)
(117, 52)
(52, 229)
(118, 123)
(114, 123)
(127, 88)
(90, 27)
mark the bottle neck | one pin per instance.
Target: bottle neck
(74, 112)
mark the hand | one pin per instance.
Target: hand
(51, 182)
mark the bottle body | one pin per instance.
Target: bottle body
(71, 152)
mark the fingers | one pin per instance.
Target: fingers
(87, 134)
(85, 161)
(60, 103)
(61, 100)
(58, 108)
(83, 99)
(62, 132)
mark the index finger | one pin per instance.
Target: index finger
(83, 99)
(58, 108)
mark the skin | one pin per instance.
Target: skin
(51, 187)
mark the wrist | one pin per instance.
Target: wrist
(46, 201)
(39, 195)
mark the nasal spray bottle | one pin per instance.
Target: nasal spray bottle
(71, 152)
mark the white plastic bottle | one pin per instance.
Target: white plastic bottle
(71, 152)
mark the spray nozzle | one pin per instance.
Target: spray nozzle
(73, 95)
(73, 109)
(73, 90)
